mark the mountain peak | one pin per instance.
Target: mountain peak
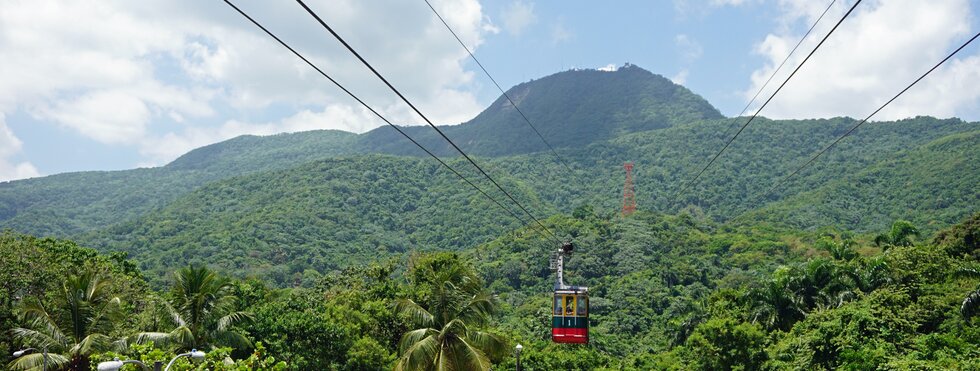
(571, 108)
(579, 106)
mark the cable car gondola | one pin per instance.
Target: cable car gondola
(570, 311)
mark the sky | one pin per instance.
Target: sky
(107, 85)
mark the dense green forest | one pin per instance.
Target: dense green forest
(291, 225)
(668, 292)
(341, 251)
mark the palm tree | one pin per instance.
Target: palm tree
(869, 274)
(843, 250)
(448, 335)
(202, 308)
(82, 316)
(775, 306)
(901, 234)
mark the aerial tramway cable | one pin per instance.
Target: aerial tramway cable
(693, 182)
(512, 103)
(429, 122)
(862, 122)
(399, 130)
(780, 67)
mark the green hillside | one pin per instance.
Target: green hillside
(330, 214)
(572, 108)
(926, 184)
(318, 217)
(667, 291)
(288, 205)
(74, 203)
(766, 151)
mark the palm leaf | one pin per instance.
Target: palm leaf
(457, 354)
(91, 344)
(489, 343)
(158, 338)
(225, 323)
(35, 362)
(233, 339)
(420, 355)
(412, 337)
(418, 315)
(36, 338)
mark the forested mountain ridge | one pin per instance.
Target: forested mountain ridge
(570, 109)
(328, 214)
(74, 203)
(924, 184)
(318, 217)
(318, 201)
(321, 240)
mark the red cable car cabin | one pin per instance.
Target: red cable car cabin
(570, 315)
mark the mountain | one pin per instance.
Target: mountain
(330, 214)
(320, 216)
(570, 109)
(73, 203)
(292, 205)
(924, 184)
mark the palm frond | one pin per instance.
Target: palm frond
(35, 338)
(35, 362)
(225, 323)
(410, 338)
(158, 338)
(478, 309)
(418, 315)
(491, 344)
(457, 354)
(91, 344)
(420, 355)
(182, 335)
(233, 339)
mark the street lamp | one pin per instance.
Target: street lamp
(195, 356)
(44, 355)
(517, 353)
(116, 364)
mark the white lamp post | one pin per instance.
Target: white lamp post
(517, 353)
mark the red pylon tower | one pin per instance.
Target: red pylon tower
(629, 195)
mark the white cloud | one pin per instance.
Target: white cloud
(730, 2)
(688, 48)
(517, 16)
(608, 68)
(882, 47)
(185, 72)
(160, 150)
(559, 33)
(106, 116)
(680, 78)
(10, 146)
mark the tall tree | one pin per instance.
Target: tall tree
(449, 322)
(203, 309)
(77, 325)
(903, 233)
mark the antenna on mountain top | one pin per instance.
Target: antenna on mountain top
(629, 194)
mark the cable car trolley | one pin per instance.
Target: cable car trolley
(570, 312)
